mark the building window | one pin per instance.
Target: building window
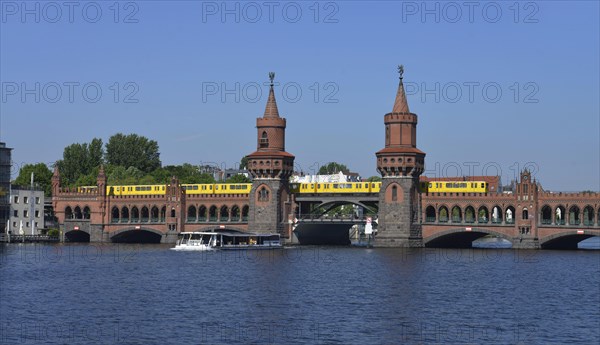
(264, 140)
(25, 213)
(525, 214)
(27, 224)
(37, 213)
(16, 200)
(15, 213)
(25, 199)
(37, 200)
(394, 193)
(14, 224)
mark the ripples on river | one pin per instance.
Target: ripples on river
(148, 294)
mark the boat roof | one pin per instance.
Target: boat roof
(227, 233)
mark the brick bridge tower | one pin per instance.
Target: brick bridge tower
(271, 168)
(400, 164)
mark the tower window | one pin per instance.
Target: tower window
(394, 193)
(264, 140)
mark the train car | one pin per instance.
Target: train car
(87, 189)
(136, 190)
(232, 188)
(374, 187)
(199, 188)
(457, 187)
(344, 187)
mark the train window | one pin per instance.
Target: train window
(482, 185)
(430, 185)
(195, 187)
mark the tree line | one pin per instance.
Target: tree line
(127, 159)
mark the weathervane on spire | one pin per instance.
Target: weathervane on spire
(401, 70)
(271, 76)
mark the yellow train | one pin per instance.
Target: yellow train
(454, 187)
(335, 187)
(190, 189)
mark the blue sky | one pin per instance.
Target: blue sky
(497, 86)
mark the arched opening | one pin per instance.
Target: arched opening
(588, 216)
(525, 214)
(77, 213)
(567, 241)
(235, 214)
(145, 214)
(510, 215)
(68, 213)
(124, 214)
(263, 194)
(212, 214)
(456, 214)
(86, 212)
(469, 214)
(483, 215)
(202, 213)
(224, 214)
(468, 239)
(135, 215)
(496, 215)
(546, 215)
(559, 215)
(154, 214)
(114, 214)
(574, 218)
(245, 210)
(163, 214)
(191, 214)
(443, 215)
(77, 236)
(264, 140)
(430, 214)
(136, 236)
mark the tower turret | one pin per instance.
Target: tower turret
(400, 164)
(271, 167)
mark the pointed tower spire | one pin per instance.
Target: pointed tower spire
(271, 110)
(401, 105)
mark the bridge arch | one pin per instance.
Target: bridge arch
(68, 212)
(574, 215)
(327, 206)
(77, 212)
(124, 214)
(496, 214)
(443, 214)
(469, 214)
(546, 215)
(235, 213)
(192, 216)
(509, 214)
(588, 215)
(430, 214)
(202, 213)
(567, 239)
(86, 212)
(460, 238)
(483, 214)
(115, 214)
(224, 214)
(77, 236)
(456, 214)
(559, 215)
(133, 235)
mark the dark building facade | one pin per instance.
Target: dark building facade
(5, 164)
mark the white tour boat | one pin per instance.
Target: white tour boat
(209, 240)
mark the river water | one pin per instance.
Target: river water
(148, 294)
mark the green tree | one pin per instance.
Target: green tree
(374, 179)
(238, 178)
(42, 176)
(333, 168)
(133, 150)
(80, 159)
(244, 163)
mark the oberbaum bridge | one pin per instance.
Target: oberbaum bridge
(529, 217)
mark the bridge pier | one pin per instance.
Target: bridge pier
(525, 243)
